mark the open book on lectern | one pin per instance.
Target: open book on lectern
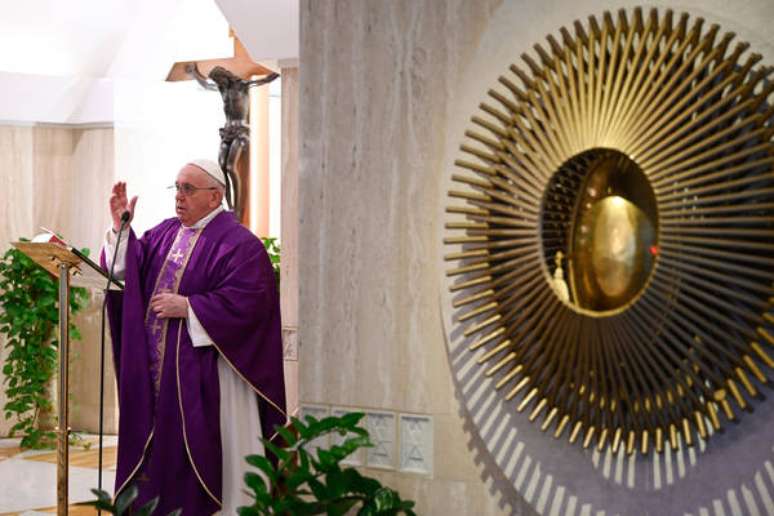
(49, 250)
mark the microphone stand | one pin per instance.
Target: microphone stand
(124, 221)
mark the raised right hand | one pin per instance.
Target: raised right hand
(119, 204)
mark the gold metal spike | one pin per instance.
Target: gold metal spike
(487, 338)
(509, 376)
(483, 324)
(473, 181)
(589, 436)
(467, 210)
(550, 417)
(762, 355)
(644, 443)
(687, 433)
(713, 414)
(527, 399)
(736, 394)
(538, 408)
(630, 442)
(659, 440)
(494, 351)
(673, 437)
(602, 440)
(617, 439)
(519, 386)
(561, 426)
(576, 432)
(749, 387)
(475, 167)
(766, 335)
(699, 418)
(754, 369)
(470, 283)
(510, 357)
(474, 253)
(467, 240)
(477, 311)
(473, 298)
(726, 406)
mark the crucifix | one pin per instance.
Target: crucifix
(233, 78)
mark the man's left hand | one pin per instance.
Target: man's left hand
(168, 306)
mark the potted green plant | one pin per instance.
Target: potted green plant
(302, 481)
(28, 320)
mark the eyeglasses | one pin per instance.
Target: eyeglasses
(189, 189)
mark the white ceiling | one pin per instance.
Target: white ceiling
(267, 28)
(51, 46)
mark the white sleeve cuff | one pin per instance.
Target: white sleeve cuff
(199, 337)
(109, 246)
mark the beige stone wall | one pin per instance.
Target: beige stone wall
(289, 237)
(59, 177)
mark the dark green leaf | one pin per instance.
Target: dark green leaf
(287, 435)
(125, 499)
(279, 452)
(255, 482)
(318, 489)
(147, 509)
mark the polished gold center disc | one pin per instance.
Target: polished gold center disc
(606, 247)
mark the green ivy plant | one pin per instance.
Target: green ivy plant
(303, 482)
(28, 320)
(273, 249)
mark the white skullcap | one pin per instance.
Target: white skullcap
(212, 169)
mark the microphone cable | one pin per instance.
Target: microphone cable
(125, 216)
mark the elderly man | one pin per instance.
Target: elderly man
(197, 348)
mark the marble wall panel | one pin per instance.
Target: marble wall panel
(16, 204)
(289, 236)
(16, 183)
(59, 177)
(92, 179)
(53, 188)
(84, 372)
(375, 83)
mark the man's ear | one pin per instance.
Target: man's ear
(218, 199)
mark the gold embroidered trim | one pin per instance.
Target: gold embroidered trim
(182, 416)
(253, 387)
(162, 346)
(142, 457)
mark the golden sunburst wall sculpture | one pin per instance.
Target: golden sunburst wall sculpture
(612, 235)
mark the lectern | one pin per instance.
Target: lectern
(70, 266)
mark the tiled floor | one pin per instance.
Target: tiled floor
(28, 478)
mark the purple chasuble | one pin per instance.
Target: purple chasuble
(169, 397)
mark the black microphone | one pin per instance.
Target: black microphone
(125, 216)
